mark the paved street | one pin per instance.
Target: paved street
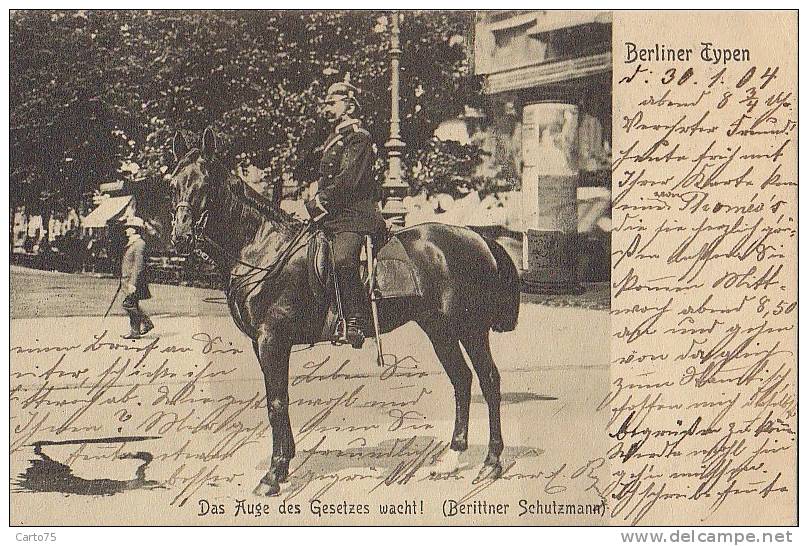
(175, 423)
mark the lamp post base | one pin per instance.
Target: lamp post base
(394, 212)
(394, 190)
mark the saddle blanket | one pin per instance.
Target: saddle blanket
(395, 273)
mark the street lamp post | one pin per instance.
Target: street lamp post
(395, 189)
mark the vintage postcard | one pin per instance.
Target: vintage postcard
(328, 268)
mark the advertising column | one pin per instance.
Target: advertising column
(549, 201)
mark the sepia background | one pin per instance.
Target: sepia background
(502, 123)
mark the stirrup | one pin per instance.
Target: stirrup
(338, 335)
(348, 333)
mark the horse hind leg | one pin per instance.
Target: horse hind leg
(479, 350)
(451, 357)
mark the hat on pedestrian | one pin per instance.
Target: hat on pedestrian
(133, 221)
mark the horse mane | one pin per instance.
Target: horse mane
(241, 200)
(260, 202)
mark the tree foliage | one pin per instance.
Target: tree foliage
(444, 167)
(92, 89)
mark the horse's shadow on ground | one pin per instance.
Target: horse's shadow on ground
(516, 398)
(46, 475)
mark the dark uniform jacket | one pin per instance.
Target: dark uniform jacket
(133, 268)
(348, 193)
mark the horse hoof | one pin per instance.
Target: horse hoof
(449, 462)
(264, 489)
(489, 471)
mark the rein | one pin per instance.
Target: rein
(283, 256)
(256, 275)
(198, 235)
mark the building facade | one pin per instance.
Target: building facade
(547, 79)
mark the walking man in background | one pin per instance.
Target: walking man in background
(133, 277)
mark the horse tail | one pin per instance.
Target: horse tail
(506, 312)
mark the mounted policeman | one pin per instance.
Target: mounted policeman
(346, 204)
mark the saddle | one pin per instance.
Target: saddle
(395, 275)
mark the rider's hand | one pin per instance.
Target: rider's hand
(316, 210)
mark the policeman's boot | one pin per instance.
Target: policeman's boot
(352, 292)
(355, 331)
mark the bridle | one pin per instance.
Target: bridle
(198, 228)
(198, 235)
(240, 285)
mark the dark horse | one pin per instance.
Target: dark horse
(470, 286)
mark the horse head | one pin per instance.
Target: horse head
(190, 189)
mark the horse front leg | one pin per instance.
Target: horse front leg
(273, 355)
(451, 357)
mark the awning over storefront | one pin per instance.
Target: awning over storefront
(109, 209)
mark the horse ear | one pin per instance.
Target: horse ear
(208, 142)
(179, 146)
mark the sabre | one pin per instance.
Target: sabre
(374, 310)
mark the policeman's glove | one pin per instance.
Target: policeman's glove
(316, 209)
